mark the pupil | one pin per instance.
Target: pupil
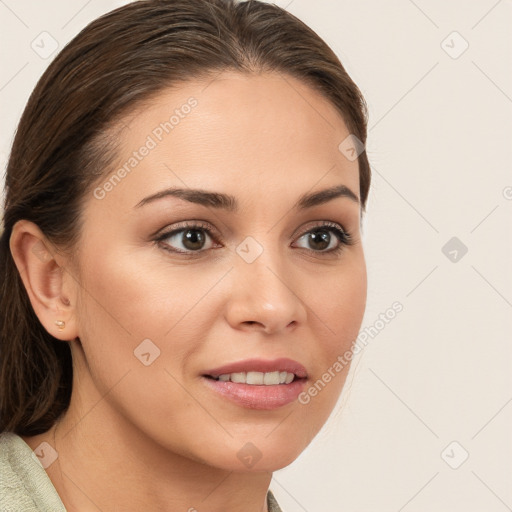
(320, 237)
(193, 239)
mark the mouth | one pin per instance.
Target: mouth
(258, 384)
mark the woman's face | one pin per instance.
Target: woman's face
(234, 273)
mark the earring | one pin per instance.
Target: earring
(60, 324)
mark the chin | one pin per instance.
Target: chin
(257, 463)
(262, 454)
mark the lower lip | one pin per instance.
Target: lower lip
(258, 396)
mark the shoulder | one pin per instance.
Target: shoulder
(272, 503)
(24, 484)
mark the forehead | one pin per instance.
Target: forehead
(239, 133)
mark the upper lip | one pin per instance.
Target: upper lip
(260, 365)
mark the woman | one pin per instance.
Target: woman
(181, 260)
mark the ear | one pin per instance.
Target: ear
(50, 287)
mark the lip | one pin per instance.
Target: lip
(261, 365)
(259, 397)
(255, 396)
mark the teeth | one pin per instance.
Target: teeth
(255, 378)
(238, 377)
(258, 378)
(271, 378)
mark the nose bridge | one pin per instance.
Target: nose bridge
(262, 293)
(260, 262)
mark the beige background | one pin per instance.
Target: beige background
(440, 144)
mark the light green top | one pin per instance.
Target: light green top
(25, 485)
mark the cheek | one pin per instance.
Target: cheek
(127, 299)
(339, 311)
(341, 307)
(137, 338)
(114, 316)
(133, 295)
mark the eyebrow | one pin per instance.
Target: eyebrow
(229, 203)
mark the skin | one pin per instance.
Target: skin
(154, 437)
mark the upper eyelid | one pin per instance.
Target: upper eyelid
(180, 226)
(326, 223)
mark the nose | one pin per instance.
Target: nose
(264, 297)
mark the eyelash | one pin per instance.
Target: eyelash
(344, 238)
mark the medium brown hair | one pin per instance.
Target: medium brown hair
(63, 145)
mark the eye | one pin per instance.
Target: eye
(187, 238)
(326, 237)
(194, 237)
